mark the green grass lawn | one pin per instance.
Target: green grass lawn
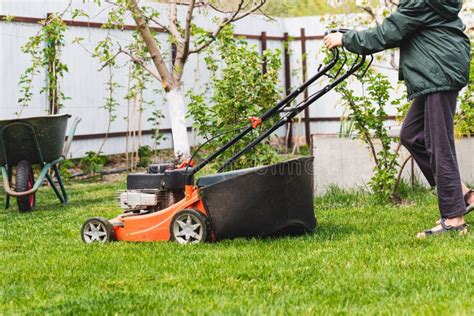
(362, 259)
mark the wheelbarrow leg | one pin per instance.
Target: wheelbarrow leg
(7, 197)
(7, 201)
(61, 184)
(55, 189)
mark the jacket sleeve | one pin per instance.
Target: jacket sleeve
(398, 26)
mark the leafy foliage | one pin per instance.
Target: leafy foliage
(294, 7)
(464, 121)
(308, 7)
(44, 49)
(368, 115)
(93, 162)
(144, 156)
(240, 91)
(65, 167)
(155, 119)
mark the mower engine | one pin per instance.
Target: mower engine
(160, 187)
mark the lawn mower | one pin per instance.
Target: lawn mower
(166, 203)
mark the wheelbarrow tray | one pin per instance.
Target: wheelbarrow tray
(31, 138)
(261, 202)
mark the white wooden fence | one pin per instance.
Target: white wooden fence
(86, 86)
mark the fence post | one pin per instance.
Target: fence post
(307, 126)
(286, 44)
(263, 43)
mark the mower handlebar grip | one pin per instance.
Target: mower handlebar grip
(339, 30)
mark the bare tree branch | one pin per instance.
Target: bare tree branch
(141, 62)
(150, 42)
(165, 28)
(215, 8)
(235, 16)
(372, 14)
(250, 11)
(391, 2)
(173, 17)
(270, 18)
(187, 29)
(181, 37)
(108, 61)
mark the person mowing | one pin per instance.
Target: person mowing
(434, 63)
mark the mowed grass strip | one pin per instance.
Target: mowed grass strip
(362, 259)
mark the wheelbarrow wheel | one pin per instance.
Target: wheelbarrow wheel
(97, 230)
(189, 227)
(25, 181)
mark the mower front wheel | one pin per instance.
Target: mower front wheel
(189, 227)
(97, 230)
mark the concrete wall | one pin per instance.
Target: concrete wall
(348, 163)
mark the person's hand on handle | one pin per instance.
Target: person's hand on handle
(333, 40)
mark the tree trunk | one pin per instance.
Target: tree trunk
(177, 110)
(172, 87)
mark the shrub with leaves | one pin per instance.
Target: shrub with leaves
(44, 49)
(144, 156)
(367, 112)
(239, 91)
(464, 121)
(93, 162)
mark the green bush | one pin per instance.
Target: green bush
(144, 156)
(368, 115)
(464, 121)
(65, 166)
(93, 162)
(239, 90)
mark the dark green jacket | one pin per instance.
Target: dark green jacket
(434, 51)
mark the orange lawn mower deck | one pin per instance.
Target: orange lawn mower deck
(166, 203)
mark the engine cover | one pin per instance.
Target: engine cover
(134, 200)
(169, 180)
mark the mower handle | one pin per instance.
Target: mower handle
(339, 30)
(288, 117)
(278, 108)
(271, 112)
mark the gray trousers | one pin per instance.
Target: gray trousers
(428, 134)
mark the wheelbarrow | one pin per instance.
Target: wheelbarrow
(26, 142)
(166, 203)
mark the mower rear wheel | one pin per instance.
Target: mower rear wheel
(189, 227)
(97, 229)
(25, 181)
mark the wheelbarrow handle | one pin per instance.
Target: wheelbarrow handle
(36, 185)
(10, 192)
(70, 136)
